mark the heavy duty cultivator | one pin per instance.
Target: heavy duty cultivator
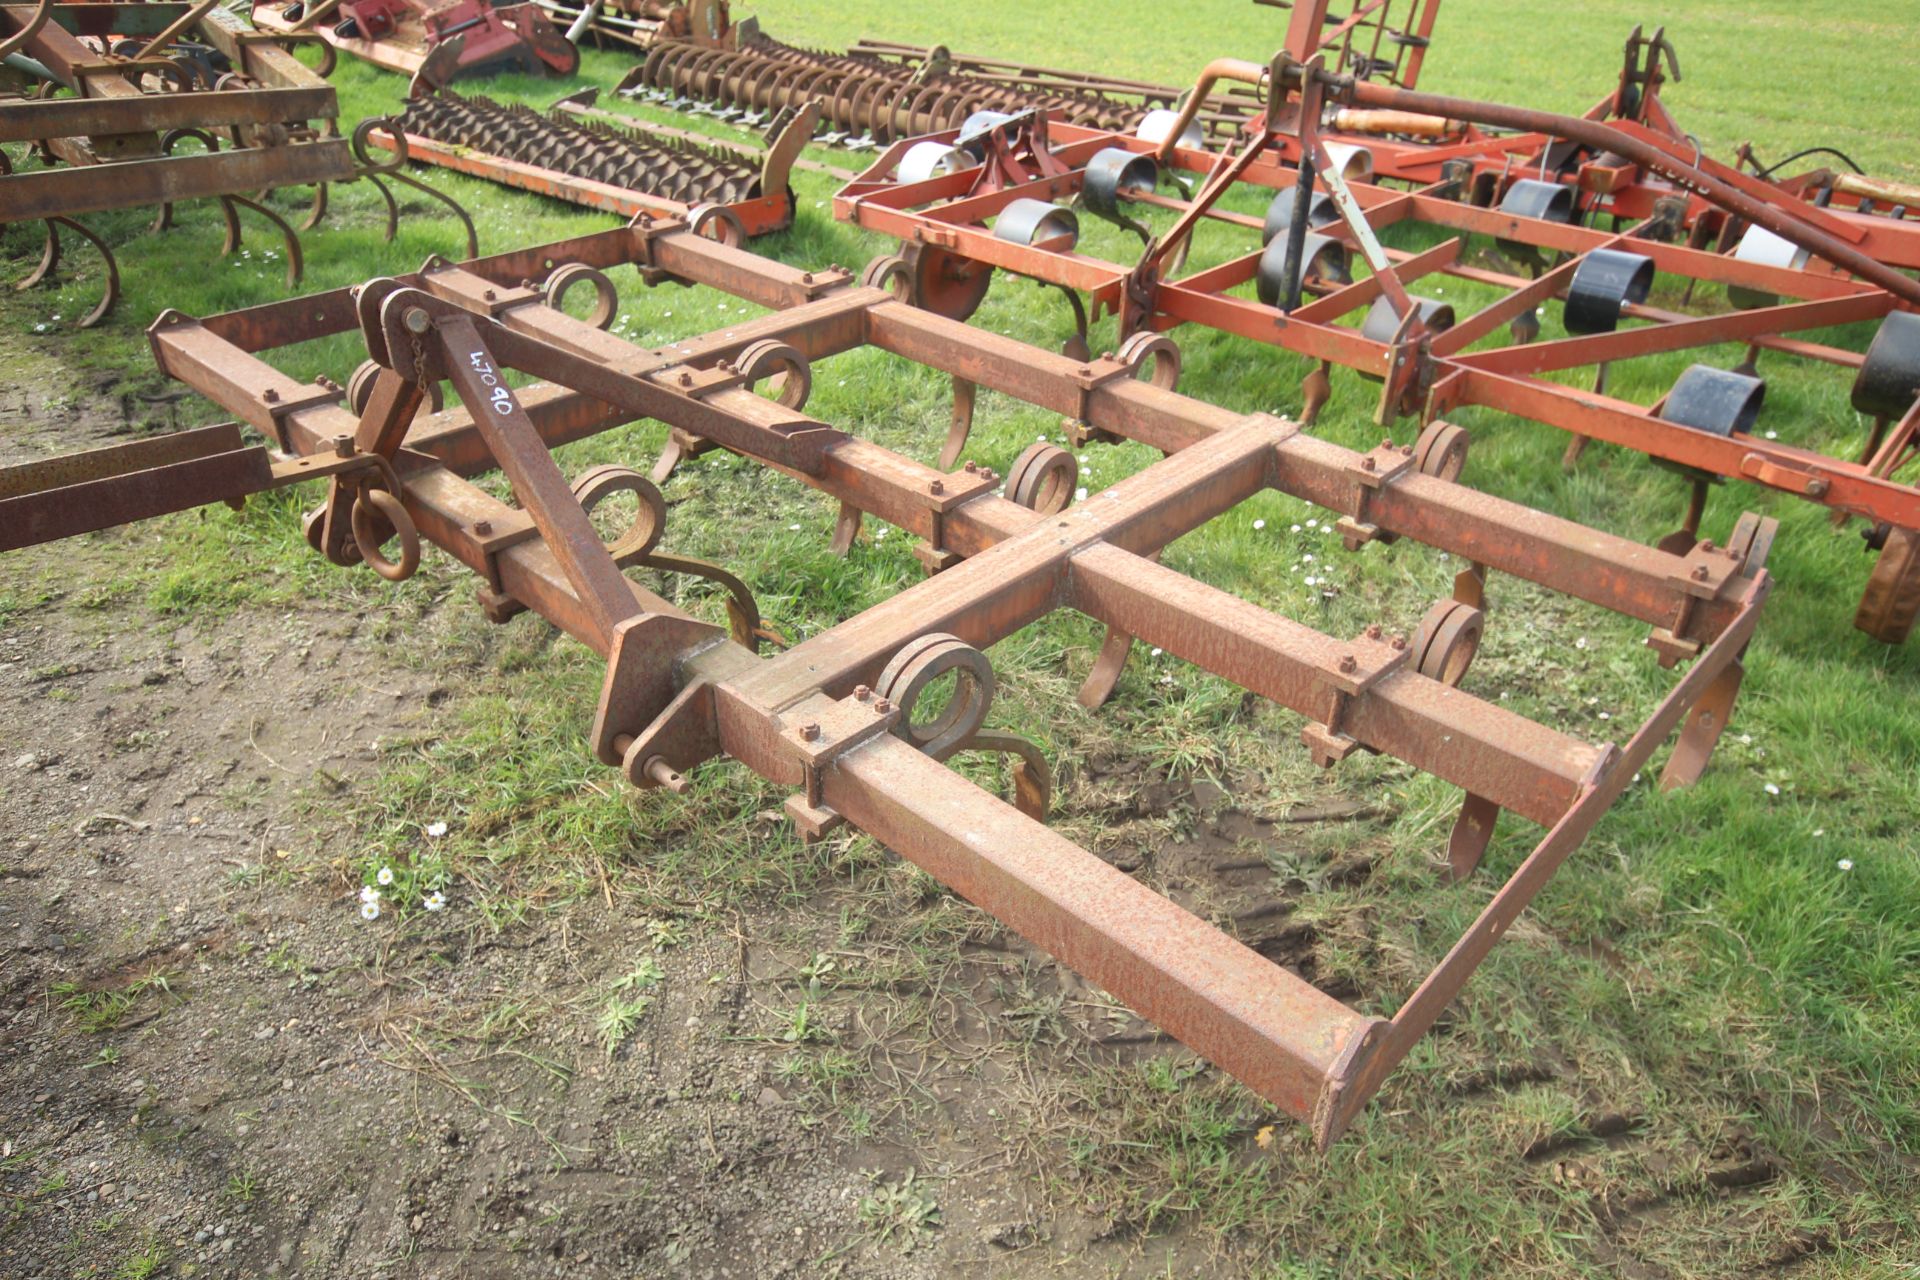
(1783, 256)
(624, 168)
(640, 22)
(169, 102)
(839, 718)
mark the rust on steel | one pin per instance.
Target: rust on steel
(170, 102)
(835, 718)
(621, 168)
(1777, 271)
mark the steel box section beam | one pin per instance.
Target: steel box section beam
(30, 121)
(1305, 1051)
(42, 193)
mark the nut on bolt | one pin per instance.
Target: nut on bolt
(861, 693)
(1348, 664)
(810, 731)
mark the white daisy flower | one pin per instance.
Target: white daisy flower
(370, 911)
(1080, 494)
(1259, 524)
(1772, 790)
(435, 901)
(1296, 529)
(369, 894)
(1845, 864)
(436, 829)
(384, 875)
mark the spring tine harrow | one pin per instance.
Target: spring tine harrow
(145, 79)
(836, 718)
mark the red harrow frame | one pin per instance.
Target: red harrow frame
(836, 717)
(998, 198)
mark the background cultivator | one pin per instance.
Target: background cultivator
(474, 37)
(137, 104)
(848, 718)
(1345, 271)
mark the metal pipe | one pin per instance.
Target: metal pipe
(1605, 137)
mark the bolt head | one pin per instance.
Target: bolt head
(937, 487)
(1373, 631)
(972, 468)
(342, 446)
(417, 320)
(810, 731)
(1706, 544)
(270, 396)
(1348, 664)
(1366, 464)
(1398, 642)
(883, 706)
(484, 528)
(490, 295)
(806, 277)
(686, 379)
(1699, 573)
(861, 693)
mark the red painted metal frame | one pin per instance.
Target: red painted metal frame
(680, 692)
(1432, 374)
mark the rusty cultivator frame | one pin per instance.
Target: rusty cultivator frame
(170, 102)
(1770, 261)
(837, 718)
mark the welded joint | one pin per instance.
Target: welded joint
(1369, 659)
(816, 738)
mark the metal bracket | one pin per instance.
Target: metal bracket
(1372, 657)
(818, 738)
(1373, 470)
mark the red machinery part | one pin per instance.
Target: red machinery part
(1431, 360)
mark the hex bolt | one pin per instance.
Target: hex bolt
(1700, 573)
(270, 396)
(806, 277)
(1398, 642)
(490, 295)
(686, 379)
(810, 731)
(936, 487)
(417, 320)
(483, 528)
(883, 706)
(1086, 371)
(343, 446)
(1373, 631)
(1706, 544)
(973, 468)
(861, 693)
(1348, 664)
(1366, 463)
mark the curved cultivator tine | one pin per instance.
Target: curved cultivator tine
(50, 259)
(394, 167)
(296, 262)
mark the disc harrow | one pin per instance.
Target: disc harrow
(842, 719)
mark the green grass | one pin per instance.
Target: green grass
(1702, 966)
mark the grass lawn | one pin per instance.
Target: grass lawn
(1702, 988)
